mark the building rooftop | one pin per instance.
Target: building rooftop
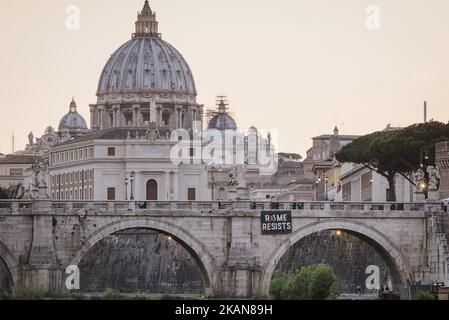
(113, 134)
(342, 137)
(18, 159)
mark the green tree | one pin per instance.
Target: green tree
(276, 285)
(424, 295)
(12, 192)
(393, 152)
(315, 282)
(297, 286)
(321, 283)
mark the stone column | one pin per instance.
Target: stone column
(116, 116)
(101, 117)
(194, 115)
(140, 117)
(159, 116)
(167, 186)
(178, 116)
(153, 112)
(136, 108)
(114, 121)
(92, 120)
(176, 186)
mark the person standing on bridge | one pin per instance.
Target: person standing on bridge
(445, 205)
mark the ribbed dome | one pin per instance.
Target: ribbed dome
(146, 64)
(72, 121)
(222, 120)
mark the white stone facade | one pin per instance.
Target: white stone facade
(359, 184)
(110, 164)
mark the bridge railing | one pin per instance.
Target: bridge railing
(26, 206)
(15, 206)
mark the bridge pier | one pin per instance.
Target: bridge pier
(42, 272)
(238, 282)
(46, 280)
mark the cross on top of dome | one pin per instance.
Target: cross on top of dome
(146, 8)
(146, 24)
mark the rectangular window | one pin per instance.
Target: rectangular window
(146, 118)
(192, 152)
(347, 192)
(111, 194)
(111, 151)
(366, 186)
(191, 194)
(16, 172)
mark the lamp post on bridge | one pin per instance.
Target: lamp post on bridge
(317, 182)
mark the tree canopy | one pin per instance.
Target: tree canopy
(12, 192)
(315, 282)
(394, 152)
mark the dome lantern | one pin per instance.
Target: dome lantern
(146, 24)
(73, 107)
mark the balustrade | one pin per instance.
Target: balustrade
(25, 206)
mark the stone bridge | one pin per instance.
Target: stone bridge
(40, 238)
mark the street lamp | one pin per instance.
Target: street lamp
(132, 185)
(424, 154)
(317, 182)
(126, 188)
(423, 185)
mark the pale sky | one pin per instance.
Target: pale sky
(300, 66)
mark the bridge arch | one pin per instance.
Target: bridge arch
(196, 249)
(12, 266)
(396, 262)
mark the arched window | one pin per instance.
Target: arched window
(152, 190)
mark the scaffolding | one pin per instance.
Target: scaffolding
(221, 106)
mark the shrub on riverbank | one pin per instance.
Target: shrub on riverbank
(315, 282)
